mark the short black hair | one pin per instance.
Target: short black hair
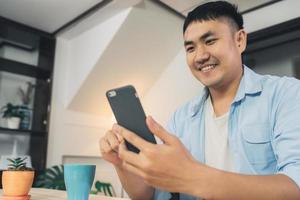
(213, 11)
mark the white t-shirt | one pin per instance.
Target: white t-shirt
(217, 152)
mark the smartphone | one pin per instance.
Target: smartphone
(129, 113)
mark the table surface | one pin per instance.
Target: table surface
(48, 194)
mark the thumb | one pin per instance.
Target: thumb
(158, 130)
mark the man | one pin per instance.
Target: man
(240, 139)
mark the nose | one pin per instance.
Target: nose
(201, 56)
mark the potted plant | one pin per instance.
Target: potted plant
(26, 94)
(12, 114)
(17, 179)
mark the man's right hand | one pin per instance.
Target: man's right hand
(134, 185)
(109, 145)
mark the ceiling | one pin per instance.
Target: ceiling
(50, 15)
(46, 15)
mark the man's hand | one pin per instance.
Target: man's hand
(166, 166)
(133, 184)
(109, 145)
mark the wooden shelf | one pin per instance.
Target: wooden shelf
(20, 131)
(23, 69)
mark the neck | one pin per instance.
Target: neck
(223, 96)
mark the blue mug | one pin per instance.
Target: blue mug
(78, 180)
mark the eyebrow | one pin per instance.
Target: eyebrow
(203, 37)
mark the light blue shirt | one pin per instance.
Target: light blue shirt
(263, 127)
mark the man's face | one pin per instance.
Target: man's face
(213, 52)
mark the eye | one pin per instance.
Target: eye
(210, 41)
(189, 49)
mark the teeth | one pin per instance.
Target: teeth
(207, 68)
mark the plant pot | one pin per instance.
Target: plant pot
(17, 183)
(25, 123)
(13, 122)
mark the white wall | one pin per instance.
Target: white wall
(76, 133)
(71, 133)
(87, 48)
(139, 52)
(175, 86)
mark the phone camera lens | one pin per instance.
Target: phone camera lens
(112, 93)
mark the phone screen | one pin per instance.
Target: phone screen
(129, 113)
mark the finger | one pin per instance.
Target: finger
(128, 156)
(120, 138)
(132, 138)
(104, 146)
(123, 146)
(113, 140)
(158, 130)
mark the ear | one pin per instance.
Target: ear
(241, 40)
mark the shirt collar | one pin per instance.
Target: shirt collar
(197, 102)
(250, 84)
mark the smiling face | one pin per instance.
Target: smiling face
(213, 52)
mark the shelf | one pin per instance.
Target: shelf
(20, 131)
(23, 69)
(28, 39)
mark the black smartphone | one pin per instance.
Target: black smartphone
(129, 113)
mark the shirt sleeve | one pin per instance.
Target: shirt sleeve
(286, 138)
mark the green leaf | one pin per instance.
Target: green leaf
(106, 188)
(52, 178)
(93, 192)
(17, 163)
(10, 160)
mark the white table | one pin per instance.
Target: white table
(48, 194)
